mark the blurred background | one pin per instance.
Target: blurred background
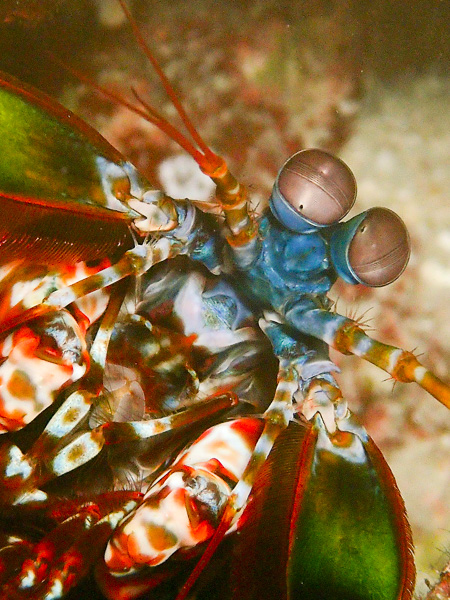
(367, 80)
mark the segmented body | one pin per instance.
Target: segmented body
(134, 379)
(190, 336)
(202, 340)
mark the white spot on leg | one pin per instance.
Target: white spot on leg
(18, 464)
(420, 373)
(394, 357)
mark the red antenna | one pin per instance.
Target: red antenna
(207, 160)
(207, 152)
(148, 113)
(231, 195)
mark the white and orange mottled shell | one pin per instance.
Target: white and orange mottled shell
(183, 508)
(33, 374)
(23, 287)
(39, 359)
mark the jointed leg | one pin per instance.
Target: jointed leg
(64, 555)
(134, 262)
(347, 336)
(304, 368)
(23, 474)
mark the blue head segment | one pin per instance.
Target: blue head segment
(313, 189)
(372, 248)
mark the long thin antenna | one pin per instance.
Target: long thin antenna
(232, 196)
(208, 153)
(149, 113)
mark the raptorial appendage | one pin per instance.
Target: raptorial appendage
(171, 422)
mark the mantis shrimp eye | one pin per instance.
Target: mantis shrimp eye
(313, 189)
(373, 248)
(380, 249)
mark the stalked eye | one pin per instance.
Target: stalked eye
(318, 185)
(371, 248)
(379, 251)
